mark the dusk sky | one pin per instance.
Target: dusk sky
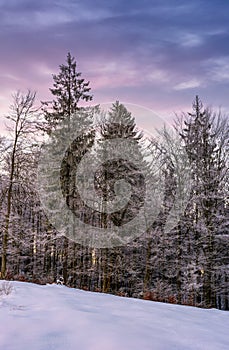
(154, 53)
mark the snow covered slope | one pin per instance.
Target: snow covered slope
(50, 317)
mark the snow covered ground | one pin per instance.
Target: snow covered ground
(35, 317)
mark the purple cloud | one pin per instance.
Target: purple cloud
(147, 52)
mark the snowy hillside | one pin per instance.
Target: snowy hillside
(35, 317)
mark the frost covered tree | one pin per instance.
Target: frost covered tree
(188, 265)
(205, 136)
(118, 124)
(69, 88)
(22, 125)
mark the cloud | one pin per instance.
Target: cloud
(147, 51)
(191, 84)
(218, 69)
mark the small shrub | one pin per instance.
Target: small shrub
(85, 288)
(6, 288)
(21, 278)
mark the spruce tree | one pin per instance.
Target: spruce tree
(119, 124)
(69, 88)
(201, 135)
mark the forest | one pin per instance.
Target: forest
(185, 262)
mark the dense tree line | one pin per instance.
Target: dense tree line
(187, 264)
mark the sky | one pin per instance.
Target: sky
(153, 53)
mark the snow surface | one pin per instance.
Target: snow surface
(35, 317)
